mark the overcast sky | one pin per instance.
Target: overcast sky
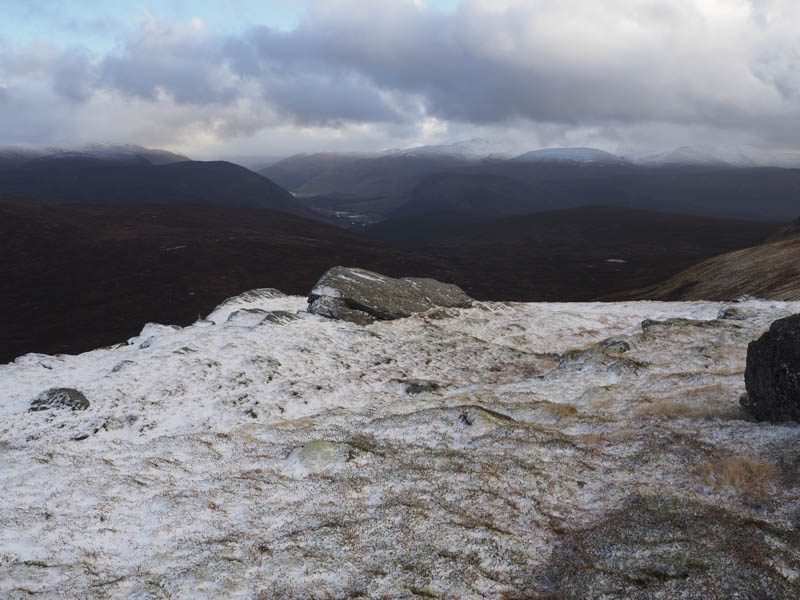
(246, 77)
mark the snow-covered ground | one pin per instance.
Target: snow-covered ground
(265, 452)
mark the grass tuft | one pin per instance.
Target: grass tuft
(744, 474)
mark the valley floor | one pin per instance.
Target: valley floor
(505, 451)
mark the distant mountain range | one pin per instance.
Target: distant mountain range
(13, 156)
(359, 189)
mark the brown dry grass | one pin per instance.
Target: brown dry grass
(709, 402)
(744, 474)
(671, 409)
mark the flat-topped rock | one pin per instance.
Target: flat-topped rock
(361, 296)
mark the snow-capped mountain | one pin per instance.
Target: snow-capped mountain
(472, 149)
(504, 450)
(571, 155)
(703, 155)
(103, 151)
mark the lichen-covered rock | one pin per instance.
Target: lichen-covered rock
(361, 296)
(607, 355)
(318, 454)
(336, 308)
(279, 317)
(652, 326)
(251, 299)
(59, 398)
(735, 313)
(246, 317)
(772, 375)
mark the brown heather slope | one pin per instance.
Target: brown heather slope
(770, 271)
(76, 277)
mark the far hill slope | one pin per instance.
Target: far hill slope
(770, 271)
(81, 179)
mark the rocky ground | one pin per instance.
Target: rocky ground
(500, 451)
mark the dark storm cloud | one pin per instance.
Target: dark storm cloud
(325, 99)
(579, 62)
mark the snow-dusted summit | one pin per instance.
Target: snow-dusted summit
(570, 155)
(500, 451)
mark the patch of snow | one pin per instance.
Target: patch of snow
(733, 156)
(217, 460)
(570, 155)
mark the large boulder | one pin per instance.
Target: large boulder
(361, 296)
(772, 375)
(63, 398)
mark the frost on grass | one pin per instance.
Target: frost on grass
(500, 451)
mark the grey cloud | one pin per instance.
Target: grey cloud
(183, 66)
(610, 66)
(485, 67)
(73, 75)
(69, 72)
(143, 75)
(32, 115)
(322, 99)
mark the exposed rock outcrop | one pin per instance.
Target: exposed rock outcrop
(59, 398)
(361, 296)
(772, 375)
(671, 548)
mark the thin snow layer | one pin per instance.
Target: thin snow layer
(442, 455)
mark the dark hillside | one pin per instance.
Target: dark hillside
(79, 277)
(92, 180)
(572, 254)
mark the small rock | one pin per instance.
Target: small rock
(419, 386)
(279, 317)
(246, 317)
(772, 376)
(318, 454)
(606, 355)
(333, 308)
(734, 313)
(59, 398)
(652, 326)
(229, 305)
(616, 345)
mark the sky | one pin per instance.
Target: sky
(239, 77)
